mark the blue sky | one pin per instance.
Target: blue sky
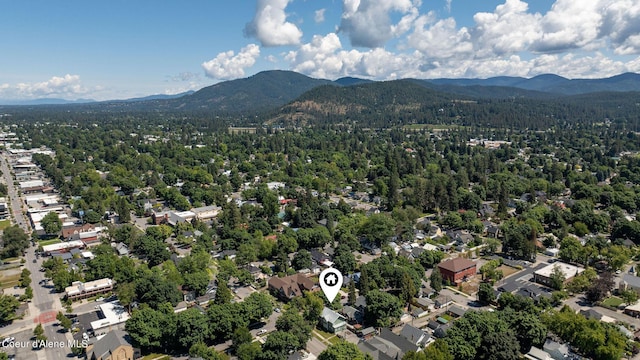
(120, 49)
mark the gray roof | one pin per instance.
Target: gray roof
(457, 311)
(110, 342)
(361, 302)
(331, 316)
(631, 280)
(413, 334)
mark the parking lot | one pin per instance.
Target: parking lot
(21, 347)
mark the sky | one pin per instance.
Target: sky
(119, 49)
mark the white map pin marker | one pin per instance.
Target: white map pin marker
(330, 283)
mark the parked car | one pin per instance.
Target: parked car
(262, 331)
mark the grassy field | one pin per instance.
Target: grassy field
(4, 224)
(507, 270)
(613, 301)
(156, 357)
(48, 242)
(8, 281)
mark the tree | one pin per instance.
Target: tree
(301, 260)
(249, 351)
(192, 327)
(486, 294)
(258, 306)
(65, 322)
(202, 350)
(197, 281)
(557, 278)
(126, 293)
(223, 294)
(629, 296)
(436, 280)
(352, 292)
(378, 228)
(342, 351)
(600, 287)
(382, 309)
(144, 327)
(241, 336)
(15, 241)
(8, 307)
(51, 223)
(293, 323)
(278, 345)
(344, 260)
(38, 332)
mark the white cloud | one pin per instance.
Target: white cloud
(568, 25)
(270, 25)
(440, 39)
(368, 23)
(227, 65)
(621, 23)
(67, 86)
(509, 29)
(319, 16)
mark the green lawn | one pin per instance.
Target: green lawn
(156, 357)
(48, 242)
(613, 301)
(4, 224)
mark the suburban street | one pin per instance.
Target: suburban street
(45, 303)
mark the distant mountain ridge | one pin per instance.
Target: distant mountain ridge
(554, 84)
(271, 90)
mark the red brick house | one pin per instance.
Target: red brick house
(456, 270)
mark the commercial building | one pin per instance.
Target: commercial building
(79, 290)
(457, 270)
(543, 276)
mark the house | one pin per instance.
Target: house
(320, 258)
(461, 237)
(534, 292)
(368, 333)
(457, 270)
(414, 335)
(556, 350)
(331, 321)
(543, 276)
(630, 282)
(206, 212)
(441, 331)
(353, 315)
(122, 249)
(67, 231)
(442, 301)
(490, 229)
(361, 303)
(116, 345)
(387, 346)
(288, 287)
(456, 311)
(537, 354)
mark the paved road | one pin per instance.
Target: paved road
(45, 303)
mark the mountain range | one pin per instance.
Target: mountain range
(271, 90)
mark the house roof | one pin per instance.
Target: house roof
(361, 302)
(456, 265)
(387, 346)
(292, 285)
(631, 280)
(110, 342)
(413, 334)
(457, 311)
(350, 312)
(331, 316)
